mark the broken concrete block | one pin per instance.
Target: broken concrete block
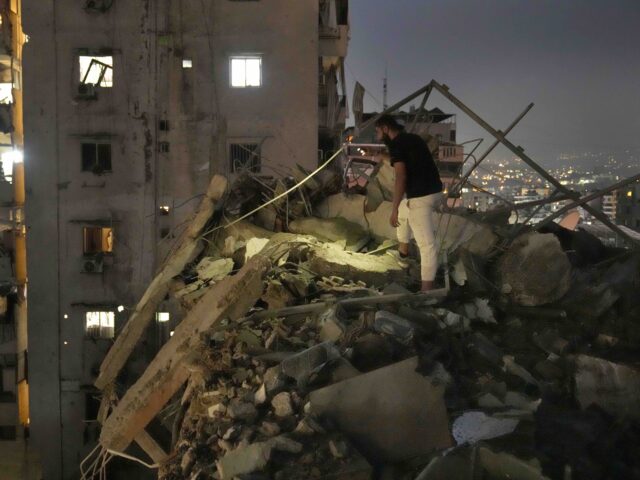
(343, 370)
(521, 402)
(551, 342)
(332, 230)
(274, 380)
(549, 370)
(338, 448)
(285, 444)
(489, 400)
(486, 349)
(260, 396)
(372, 351)
(277, 296)
(217, 409)
(453, 320)
(304, 364)
(391, 414)
(479, 310)
(308, 426)
(255, 246)
(353, 208)
(375, 270)
(244, 460)
(534, 270)
(513, 368)
(214, 269)
(299, 283)
(239, 410)
(611, 386)
(269, 429)
(281, 404)
(188, 460)
(504, 465)
(394, 325)
(332, 323)
(471, 427)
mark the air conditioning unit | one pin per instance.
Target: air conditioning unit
(87, 91)
(93, 265)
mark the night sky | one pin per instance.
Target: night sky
(577, 60)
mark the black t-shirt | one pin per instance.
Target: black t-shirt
(423, 177)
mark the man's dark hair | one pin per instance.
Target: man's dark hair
(388, 121)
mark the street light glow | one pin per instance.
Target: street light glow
(13, 156)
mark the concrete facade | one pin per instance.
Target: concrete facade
(169, 118)
(628, 207)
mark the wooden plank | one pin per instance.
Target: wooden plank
(151, 447)
(230, 298)
(144, 312)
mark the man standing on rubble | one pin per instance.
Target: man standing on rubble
(417, 192)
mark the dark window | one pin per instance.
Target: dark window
(244, 156)
(163, 147)
(452, 136)
(7, 432)
(96, 157)
(164, 232)
(91, 406)
(97, 240)
(163, 125)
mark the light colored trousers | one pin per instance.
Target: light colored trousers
(416, 215)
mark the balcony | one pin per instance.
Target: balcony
(333, 43)
(451, 153)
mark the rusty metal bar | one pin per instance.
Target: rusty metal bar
(493, 146)
(395, 106)
(419, 113)
(519, 151)
(500, 136)
(587, 198)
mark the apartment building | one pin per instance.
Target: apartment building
(130, 107)
(628, 207)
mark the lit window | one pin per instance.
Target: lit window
(187, 63)
(246, 72)
(165, 209)
(97, 240)
(163, 317)
(629, 194)
(96, 71)
(100, 324)
(6, 93)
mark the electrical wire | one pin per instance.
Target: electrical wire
(278, 197)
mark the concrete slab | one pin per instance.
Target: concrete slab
(390, 414)
(614, 387)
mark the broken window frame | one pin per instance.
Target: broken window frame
(104, 67)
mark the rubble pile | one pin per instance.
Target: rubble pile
(303, 352)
